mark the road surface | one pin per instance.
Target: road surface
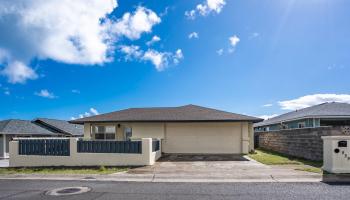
(35, 189)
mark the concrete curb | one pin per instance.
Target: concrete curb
(154, 178)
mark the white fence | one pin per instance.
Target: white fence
(75, 158)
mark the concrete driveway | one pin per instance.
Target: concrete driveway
(217, 168)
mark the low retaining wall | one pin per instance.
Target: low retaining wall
(146, 157)
(304, 143)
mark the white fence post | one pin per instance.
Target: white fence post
(147, 150)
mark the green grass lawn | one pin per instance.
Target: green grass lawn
(273, 158)
(62, 170)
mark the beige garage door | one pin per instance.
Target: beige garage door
(202, 138)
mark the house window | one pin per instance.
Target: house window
(104, 132)
(128, 133)
(284, 126)
(301, 125)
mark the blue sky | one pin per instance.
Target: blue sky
(282, 55)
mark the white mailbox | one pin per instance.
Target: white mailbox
(336, 154)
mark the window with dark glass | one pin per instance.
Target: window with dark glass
(104, 132)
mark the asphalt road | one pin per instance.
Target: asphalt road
(35, 189)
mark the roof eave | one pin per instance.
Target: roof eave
(160, 121)
(305, 117)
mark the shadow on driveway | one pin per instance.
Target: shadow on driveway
(201, 157)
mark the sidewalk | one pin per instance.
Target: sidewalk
(126, 177)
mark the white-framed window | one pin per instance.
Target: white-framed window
(104, 132)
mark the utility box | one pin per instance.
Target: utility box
(336, 154)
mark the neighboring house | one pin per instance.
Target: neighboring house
(184, 129)
(299, 133)
(39, 127)
(326, 114)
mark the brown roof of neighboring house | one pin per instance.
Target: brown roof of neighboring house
(188, 113)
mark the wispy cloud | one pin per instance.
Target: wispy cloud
(193, 35)
(91, 112)
(254, 35)
(45, 94)
(314, 99)
(205, 8)
(153, 40)
(18, 72)
(220, 52)
(268, 105)
(75, 91)
(234, 40)
(160, 60)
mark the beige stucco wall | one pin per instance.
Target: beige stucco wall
(203, 138)
(147, 157)
(145, 130)
(87, 130)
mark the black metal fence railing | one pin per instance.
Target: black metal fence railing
(155, 145)
(44, 147)
(109, 146)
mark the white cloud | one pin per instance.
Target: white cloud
(7, 92)
(91, 112)
(268, 105)
(132, 25)
(234, 40)
(153, 40)
(178, 56)
(265, 117)
(160, 60)
(46, 94)
(193, 35)
(220, 52)
(190, 14)
(310, 100)
(131, 52)
(17, 72)
(206, 8)
(72, 32)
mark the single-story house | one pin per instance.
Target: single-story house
(325, 114)
(298, 133)
(40, 127)
(185, 129)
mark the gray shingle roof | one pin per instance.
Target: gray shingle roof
(324, 110)
(62, 126)
(186, 113)
(23, 127)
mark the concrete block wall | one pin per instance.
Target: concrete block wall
(303, 143)
(147, 157)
